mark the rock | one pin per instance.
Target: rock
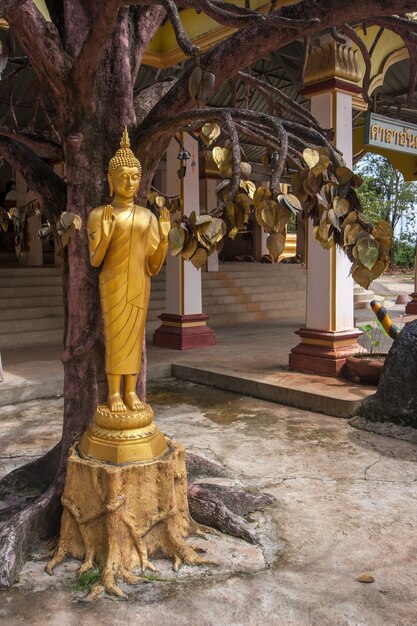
(396, 398)
(402, 298)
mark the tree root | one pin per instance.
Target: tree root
(34, 476)
(211, 507)
(38, 520)
(198, 467)
(209, 510)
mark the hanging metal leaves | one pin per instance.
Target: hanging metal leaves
(327, 194)
(201, 85)
(67, 225)
(273, 214)
(209, 133)
(158, 201)
(196, 237)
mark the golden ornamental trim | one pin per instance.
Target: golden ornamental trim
(332, 60)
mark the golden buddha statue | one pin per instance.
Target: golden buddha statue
(131, 245)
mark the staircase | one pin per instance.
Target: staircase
(31, 307)
(242, 292)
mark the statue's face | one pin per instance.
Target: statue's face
(125, 182)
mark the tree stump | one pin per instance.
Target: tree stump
(118, 516)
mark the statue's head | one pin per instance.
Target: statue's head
(124, 170)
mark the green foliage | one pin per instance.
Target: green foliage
(384, 194)
(373, 332)
(86, 580)
(403, 252)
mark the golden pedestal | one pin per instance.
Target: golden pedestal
(126, 437)
(116, 517)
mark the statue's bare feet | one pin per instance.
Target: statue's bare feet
(115, 403)
(132, 401)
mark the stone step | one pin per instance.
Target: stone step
(240, 307)
(6, 272)
(252, 316)
(28, 291)
(275, 298)
(256, 280)
(21, 282)
(256, 290)
(20, 302)
(35, 312)
(27, 325)
(20, 339)
(247, 268)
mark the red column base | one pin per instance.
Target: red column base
(324, 352)
(184, 332)
(411, 307)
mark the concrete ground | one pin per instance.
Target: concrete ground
(346, 499)
(346, 505)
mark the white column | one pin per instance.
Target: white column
(183, 324)
(329, 286)
(183, 292)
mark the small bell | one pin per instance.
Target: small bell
(183, 154)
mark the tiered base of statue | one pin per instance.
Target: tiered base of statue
(118, 516)
(123, 437)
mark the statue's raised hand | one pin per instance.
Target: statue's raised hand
(164, 224)
(108, 222)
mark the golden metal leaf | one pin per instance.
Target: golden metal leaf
(189, 249)
(350, 233)
(344, 174)
(176, 240)
(231, 213)
(194, 81)
(265, 162)
(204, 218)
(311, 157)
(382, 230)
(322, 165)
(341, 206)
(350, 219)
(249, 187)
(210, 132)
(233, 232)
(258, 196)
(275, 244)
(291, 201)
(77, 222)
(333, 219)
(367, 250)
(199, 258)
(221, 156)
(206, 87)
(245, 169)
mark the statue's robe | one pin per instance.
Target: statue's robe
(125, 283)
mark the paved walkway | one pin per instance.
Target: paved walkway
(248, 358)
(345, 506)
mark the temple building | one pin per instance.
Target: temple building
(240, 284)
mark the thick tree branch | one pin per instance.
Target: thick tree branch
(50, 189)
(7, 6)
(41, 42)
(40, 145)
(234, 138)
(181, 36)
(85, 66)
(252, 42)
(147, 20)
